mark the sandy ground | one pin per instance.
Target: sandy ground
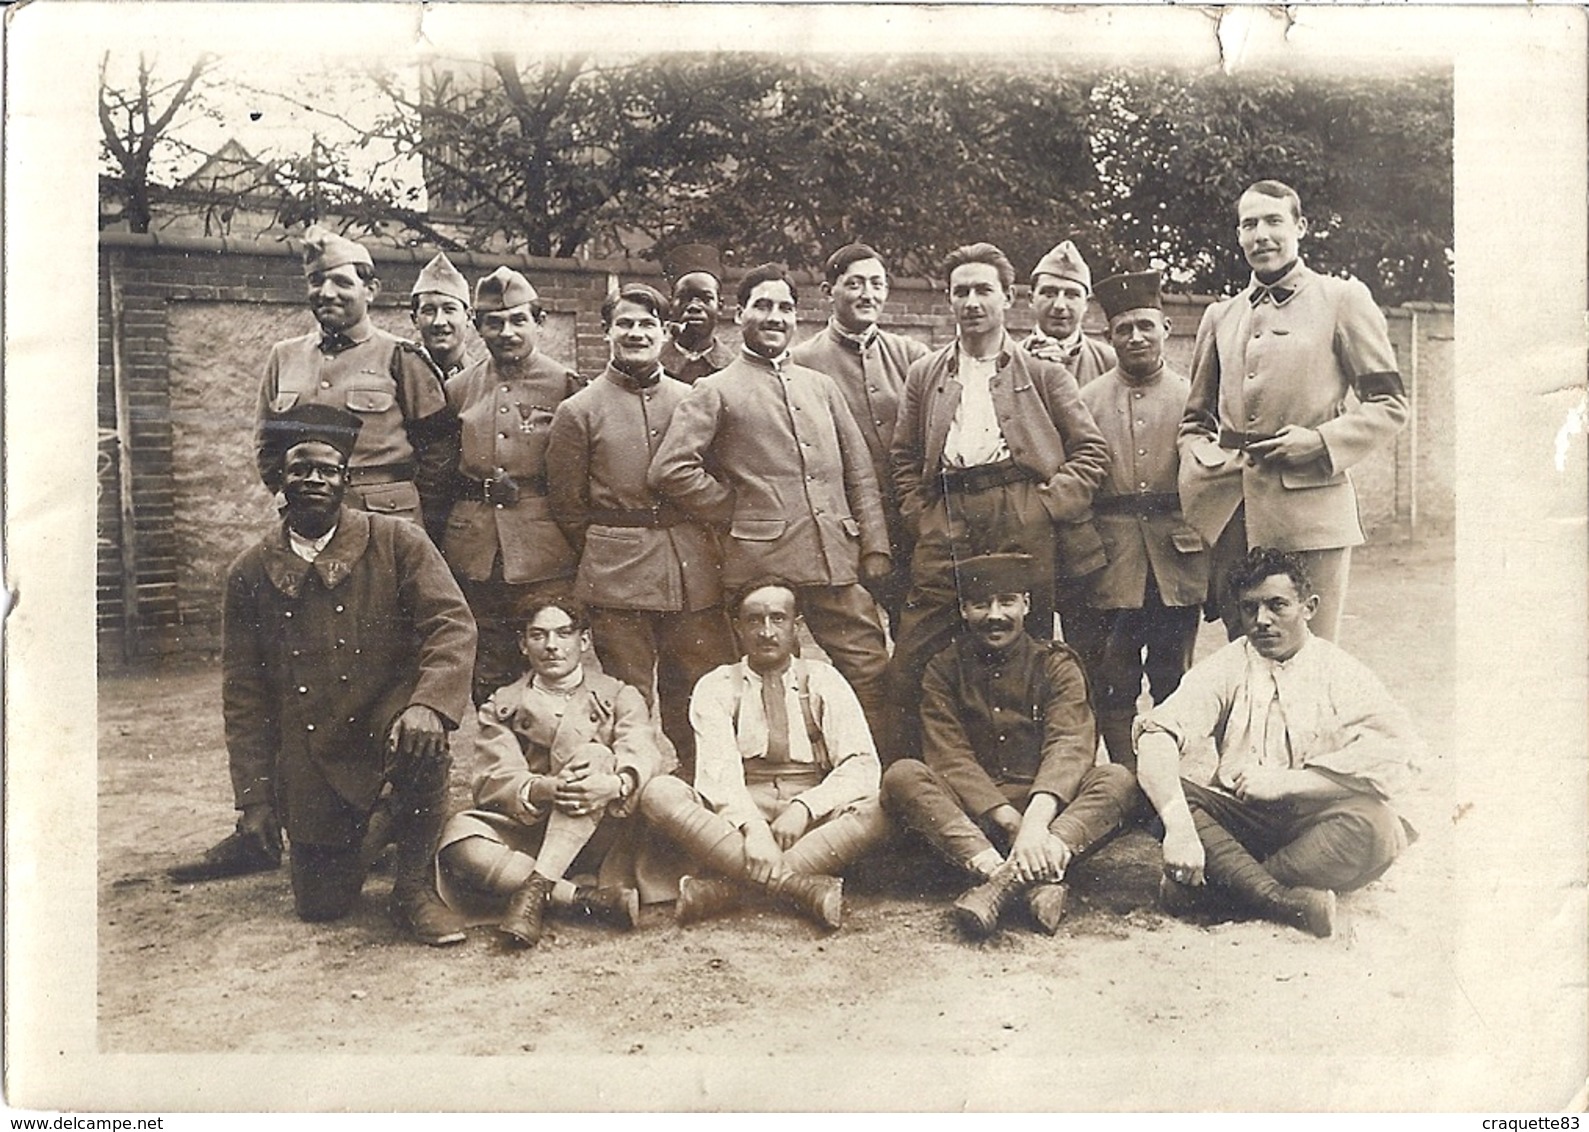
(1122, 996)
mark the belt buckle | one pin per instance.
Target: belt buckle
(500, 490)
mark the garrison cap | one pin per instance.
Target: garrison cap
(1065, 261)
(1132, 291)
(988, 574)
(682, 260)
(440, 277)
(313, 421)
(502, 290)
(323, 250)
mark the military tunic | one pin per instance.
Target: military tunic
(998, 728)
(650, 573)
(872, 380)
(501, 540)
(408, 448)
(1086, 360)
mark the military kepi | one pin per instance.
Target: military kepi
(1132, 291)
(323, 250)
(988, 574)
(502, 290)
(303, 423)
(682, 260)
(440, 277)
(1065, 262)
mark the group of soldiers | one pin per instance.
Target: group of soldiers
(579, 557)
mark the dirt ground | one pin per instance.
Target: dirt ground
(1122, 995)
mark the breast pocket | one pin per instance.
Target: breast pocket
(758, 530)
(370, 401)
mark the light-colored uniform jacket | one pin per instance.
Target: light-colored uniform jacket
(1136, 509)
(775, 455)
(506, 424)
(1258, 367)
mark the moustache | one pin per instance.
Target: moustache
(997, 625)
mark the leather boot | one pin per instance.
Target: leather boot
(524, 921)
(1117, 739)
(614, 904)
(1046, 902)
(978, 910)
(817, 896)
(235, 855)
(416, 827)
(1233, 868)
(701, 898)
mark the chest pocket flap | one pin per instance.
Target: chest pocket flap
(370, 400)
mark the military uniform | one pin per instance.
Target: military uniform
(681, 365)
(870, 371)
(791, 481)
(1038, 501)
(1152, 589)
(318, 660)
(649, 573)
(1085, 358)
(407, 450)
(523, 736)
(997, 729)
(408, 446)
(501, 540)
(1272, 356)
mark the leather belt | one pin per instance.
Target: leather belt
(1238, 441)
(504, 491)
(982, 477)
(385, 473)
(1144, 505)
(662, 515)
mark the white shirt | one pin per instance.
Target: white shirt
(974, 434)
(1319, 710)
(308, 548)
(724, 738)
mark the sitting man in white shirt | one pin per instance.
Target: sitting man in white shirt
(1311, 749)
(786, 773)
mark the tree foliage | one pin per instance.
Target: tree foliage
(138, 126)
(1369, 156)
(783, 157)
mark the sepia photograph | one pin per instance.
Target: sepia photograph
(766, 557)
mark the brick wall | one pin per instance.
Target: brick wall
(194, 319)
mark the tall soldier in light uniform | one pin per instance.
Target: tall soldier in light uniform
(1061, 282)
(408, 447)
(695, 272)
(648, 572)
(438, 305)
(1269, 434)
(501, 540)
(869, 365)
(1150, 593)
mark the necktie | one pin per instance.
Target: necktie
(772, 703)
(334, 343)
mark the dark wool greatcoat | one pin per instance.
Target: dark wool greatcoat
(320, 659)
